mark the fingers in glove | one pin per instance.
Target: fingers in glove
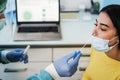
(24, 58)
(75, 58)
(18, 50)
(70, 56)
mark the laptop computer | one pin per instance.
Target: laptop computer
(37, 20)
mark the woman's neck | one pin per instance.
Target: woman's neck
(114, 53)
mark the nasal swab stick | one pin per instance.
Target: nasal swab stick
(26, 49)
(71, 59)
(85, 43)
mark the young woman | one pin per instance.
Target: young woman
(105, 52)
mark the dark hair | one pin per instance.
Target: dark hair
(113, 11)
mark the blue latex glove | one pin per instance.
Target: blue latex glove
(17, 55)
(65, 68)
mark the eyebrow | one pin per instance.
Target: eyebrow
(103, 24)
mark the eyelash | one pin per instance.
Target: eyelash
(95, 24)
(103, 29)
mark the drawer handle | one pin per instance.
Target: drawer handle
(15, 70)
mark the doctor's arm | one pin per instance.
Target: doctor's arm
(0, 55)
(62, 67)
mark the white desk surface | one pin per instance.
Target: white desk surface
(74, 32)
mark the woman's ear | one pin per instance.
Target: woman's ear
(118, 41)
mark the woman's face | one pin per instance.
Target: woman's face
(104, 28)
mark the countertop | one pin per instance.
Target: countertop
(74, 33)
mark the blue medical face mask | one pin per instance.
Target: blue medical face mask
(101, 44)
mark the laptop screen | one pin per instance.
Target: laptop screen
(37, 11)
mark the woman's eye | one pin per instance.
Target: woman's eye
(95, 24)
(103, 29)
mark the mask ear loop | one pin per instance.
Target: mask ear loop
(115, 44)
(118, 41)
(113, 38)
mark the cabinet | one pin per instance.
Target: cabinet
(39, 58)
(24, 70)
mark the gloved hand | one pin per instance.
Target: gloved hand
(65, 67)
(15, 56)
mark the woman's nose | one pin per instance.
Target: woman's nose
(94, 31)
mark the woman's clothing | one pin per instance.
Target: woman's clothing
(102, 67)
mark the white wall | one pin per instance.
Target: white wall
(73, 5)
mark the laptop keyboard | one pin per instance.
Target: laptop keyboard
(37, 29)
